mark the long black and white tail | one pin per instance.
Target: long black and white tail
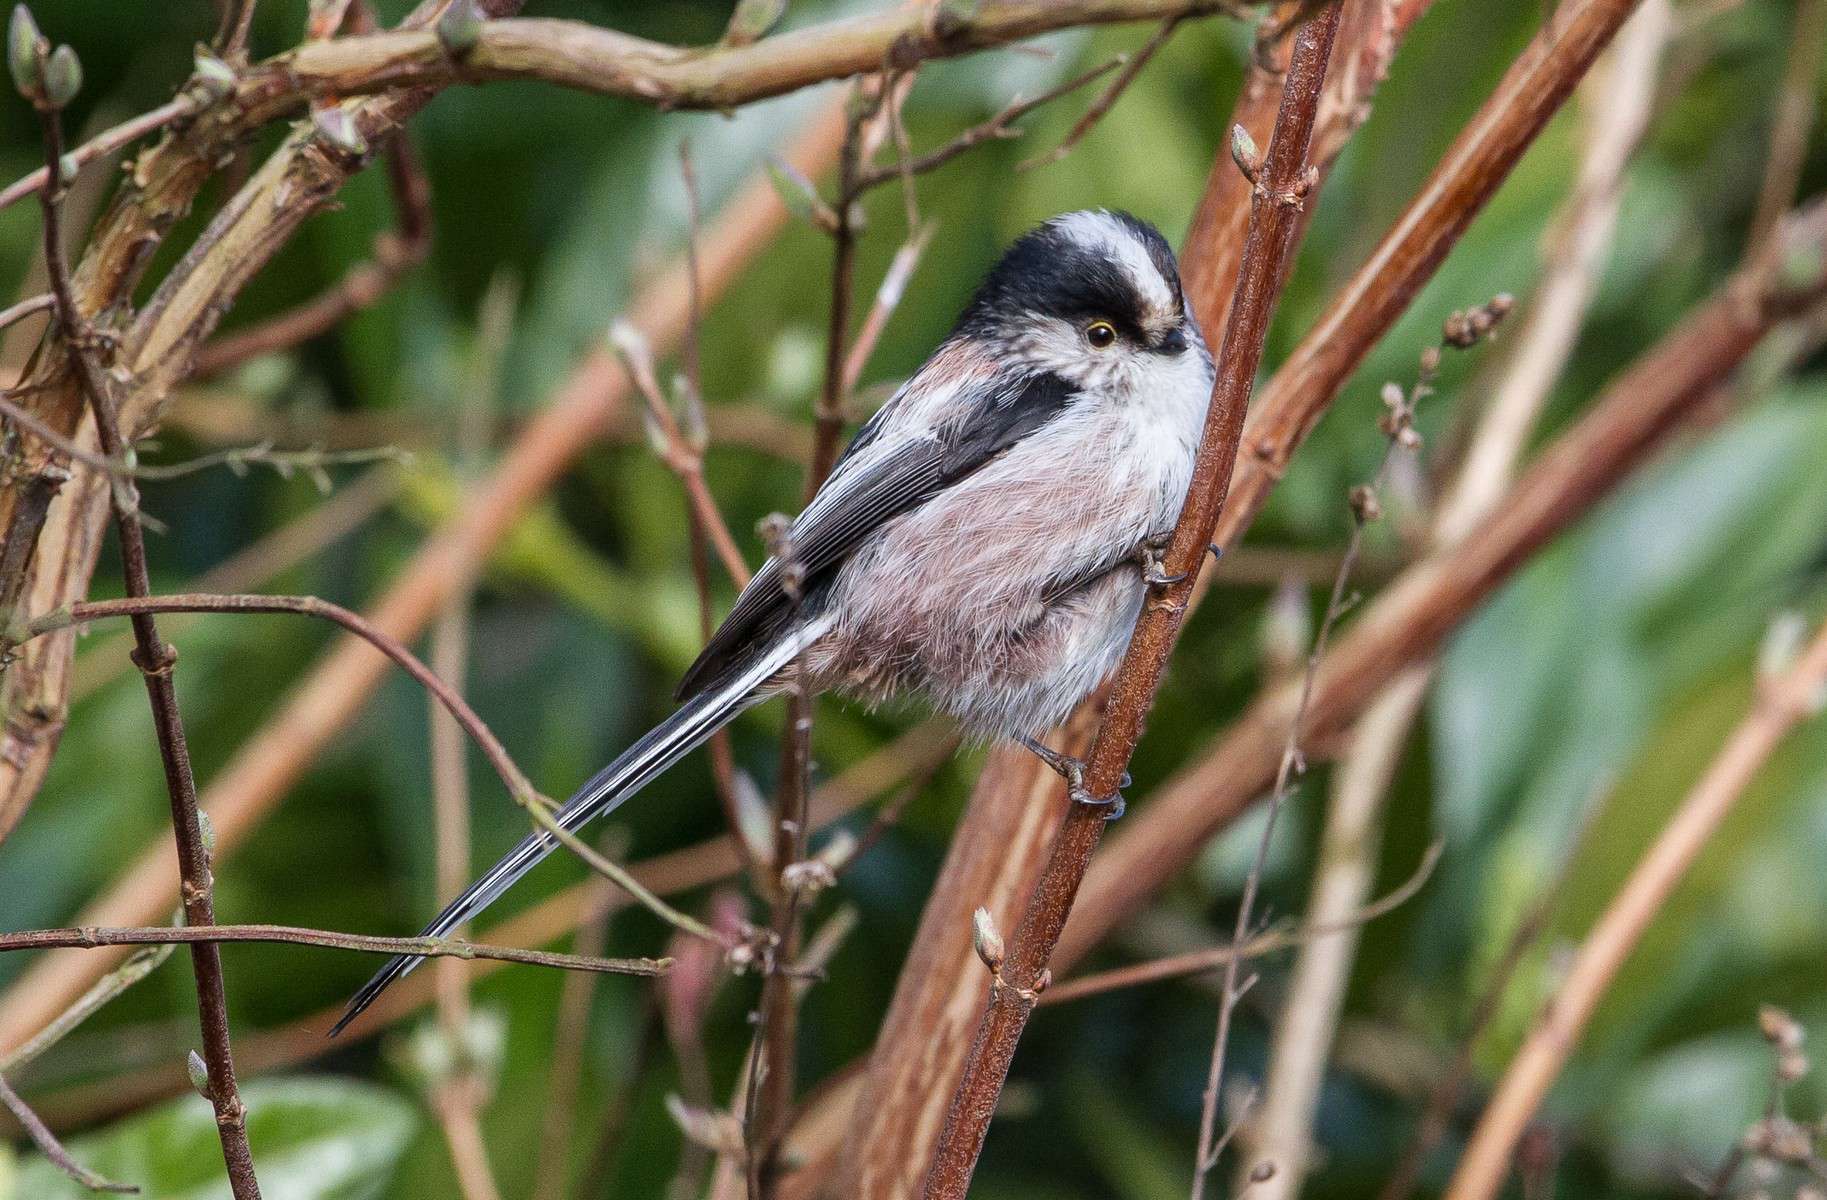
(688, 728)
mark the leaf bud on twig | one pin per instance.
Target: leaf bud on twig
(460, 28)
(23, 45)
(62, 77)
(987, 941)
(215, 77)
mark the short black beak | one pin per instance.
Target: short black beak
(1172, 342)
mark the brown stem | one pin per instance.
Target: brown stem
(1197, 962)
(51, 1148)
(237, 20)
(89, 937)
(1106, 99)
(156, 662)
(1285, 186)
(25, 308)
(140, 607)
(578, 55)
(106, 143)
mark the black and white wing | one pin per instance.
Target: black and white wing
(894, 465)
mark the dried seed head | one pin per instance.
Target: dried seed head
(1393, 396)
(1430, 361)
(1779, 1028)
(1365, 506)
(987, 941)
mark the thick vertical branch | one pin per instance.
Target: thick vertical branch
(156, 661)
(1284, 184)
(1616, 103)
(997, 851)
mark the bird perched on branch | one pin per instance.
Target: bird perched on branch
(986, 541)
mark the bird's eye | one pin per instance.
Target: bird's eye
(1101, 334)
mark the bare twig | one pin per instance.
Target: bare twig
(90, 937)
(578, 55)
(1106, 99)
(887, 299)
(1437, 1114)
(520, 788)
(1269, 941)
(673, 873)
(1796, 102)
(1462, 330)
(999, 127)
(1779, 705)
(25, 308)
(552, 1167)
(237, 20)
(51, 1148)
(682, 454)
(1285, 186)
(156, 662)
(107, 142)
(138, 965)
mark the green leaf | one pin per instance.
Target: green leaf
(313, 1139)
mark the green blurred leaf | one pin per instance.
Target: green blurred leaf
(313, 1139)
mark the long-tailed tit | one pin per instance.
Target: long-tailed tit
(986, 541)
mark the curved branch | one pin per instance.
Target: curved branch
(589, 58)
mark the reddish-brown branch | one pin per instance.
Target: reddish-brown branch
(1285, 186)
(137, 607)
(51, 1148)
(997, 850)
(156, 662)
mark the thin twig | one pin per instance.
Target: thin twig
(1796, 102)
(312, 462)
(1445, 1094)
(90, 937)
(1286, 185)
(999, 127)
(325, 700)
(1106, 99)
(107, 142)
(51, 1148)
(887, 299)
(520, 788)
(156, 661)
(237, 21)
(579, 55)
(25, 308)
(1398, 426)
(138, 965)
(1198, 962)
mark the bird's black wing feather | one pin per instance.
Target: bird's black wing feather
(860, 496)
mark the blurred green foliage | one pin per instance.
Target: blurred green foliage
(1605, 674)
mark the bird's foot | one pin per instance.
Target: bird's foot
(1072, 770)
(1152, 555)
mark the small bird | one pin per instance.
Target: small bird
(986, 541)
